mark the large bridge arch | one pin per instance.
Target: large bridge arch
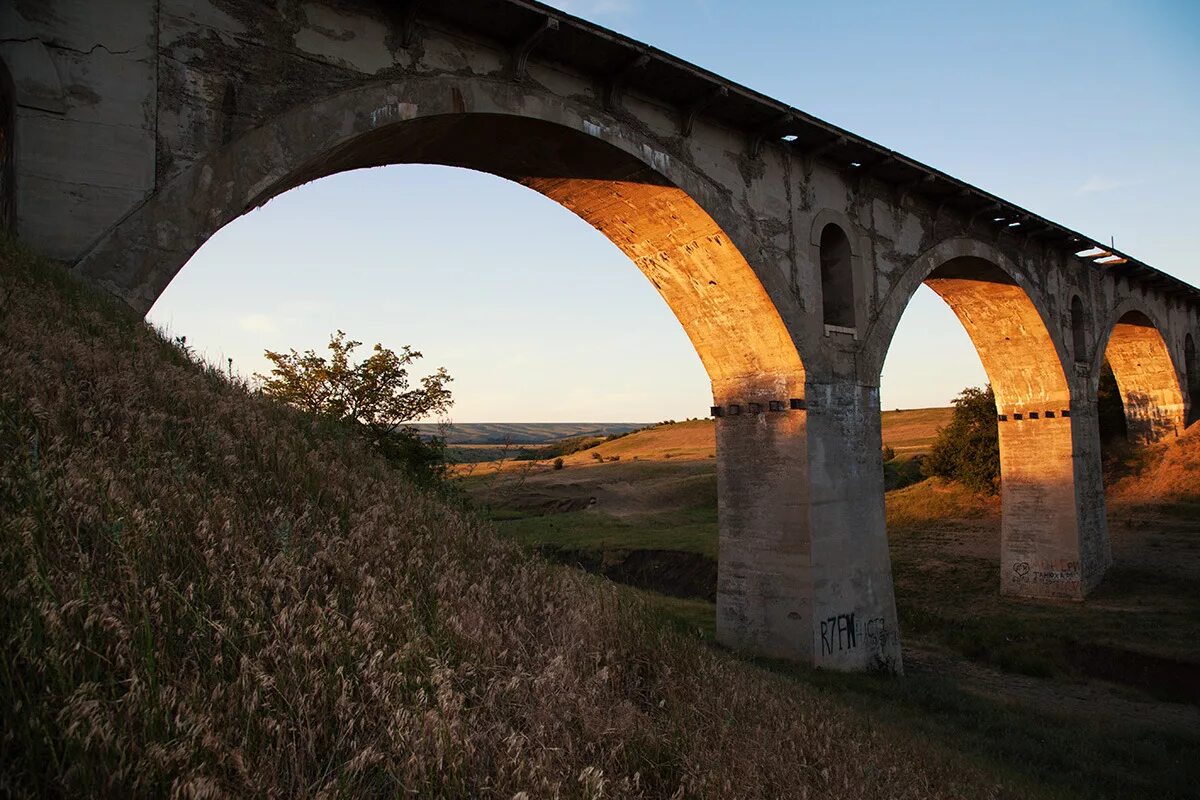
(958, 248)
(1054, 539)
(680, 229)
(675, 225)
(1150, 379)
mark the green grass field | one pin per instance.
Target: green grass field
(1133, 640)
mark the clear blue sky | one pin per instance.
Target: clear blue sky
(1085, 112)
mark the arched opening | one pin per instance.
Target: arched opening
(837, 277)
(1039, 544)
(1192, 365)
(636, 197)
(1078, 331)
(1046, 548)
(1146, 378)
(693, 263)
(7, 152)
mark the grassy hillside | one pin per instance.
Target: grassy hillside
(687, 441)
(1169, 472)
(1098, 696)
(205, 594)
(909, 432)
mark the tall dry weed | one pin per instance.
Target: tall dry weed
(209, 595)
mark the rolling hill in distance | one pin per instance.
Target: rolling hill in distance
(904, 429)
(522, 432)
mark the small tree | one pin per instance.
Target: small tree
(374, 395)
(967, 450)
(558, 463)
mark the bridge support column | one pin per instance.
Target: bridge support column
(764, 581)
(1054, 537)
(854, 625)
(804, 570)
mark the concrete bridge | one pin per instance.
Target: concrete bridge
(787, 248)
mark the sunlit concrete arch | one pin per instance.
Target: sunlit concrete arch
(683, 232)
(674, 224)
(1054, 539)
(1024, 294)
(1151, 378)
(1191, 367)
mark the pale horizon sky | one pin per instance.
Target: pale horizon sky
(1085, 112)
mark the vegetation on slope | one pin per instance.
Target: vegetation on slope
(208, 594)
(1168, 472)
(968, 449)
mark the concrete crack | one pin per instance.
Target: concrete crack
(59, 46)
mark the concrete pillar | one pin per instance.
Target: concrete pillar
(804, 569)
(1095, 549)
(764, 582)
(854, 606)
(1054, 539)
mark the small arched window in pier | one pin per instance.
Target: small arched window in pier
(837, 277)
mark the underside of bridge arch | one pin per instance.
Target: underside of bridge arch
(1147, 380)
(740, 337)
(1008, 333)
(693, 264)
(1054, 540)
(764, 604)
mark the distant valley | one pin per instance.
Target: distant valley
(499, 433)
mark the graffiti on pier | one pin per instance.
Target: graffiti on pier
(838, 633)
(845, 632)
(1047, 572)
(877, 634)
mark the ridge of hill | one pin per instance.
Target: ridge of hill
(208, 594)
(521, 432)
(910, 432)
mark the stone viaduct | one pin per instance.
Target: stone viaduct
(787, 248)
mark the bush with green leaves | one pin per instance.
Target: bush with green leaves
(967, 450)
(373, 395)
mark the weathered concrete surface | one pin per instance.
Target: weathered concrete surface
(1141, 362)
(84, 79)
(787, 248)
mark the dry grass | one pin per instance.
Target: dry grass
(934, 501)
(206, 595)
(1169, 473)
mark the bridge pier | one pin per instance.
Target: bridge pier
(804, 569)
(1054, 538)
(852, 569)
